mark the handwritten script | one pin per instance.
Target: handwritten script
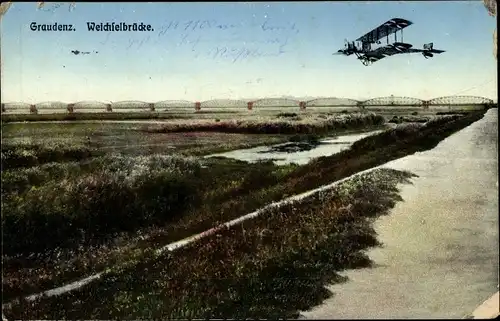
(219, 40)
(42, 6)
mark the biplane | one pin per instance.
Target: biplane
(365, 52)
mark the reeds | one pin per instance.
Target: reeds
(154, 188)
(277, 126)
(31, 154)
(268, 267)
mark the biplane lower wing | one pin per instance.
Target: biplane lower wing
(395, 49)
(422, 50)
(380, 53)
(387, 28)
(428, 48)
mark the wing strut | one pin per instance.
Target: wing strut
(385, 29)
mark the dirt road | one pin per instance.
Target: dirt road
(440, 258)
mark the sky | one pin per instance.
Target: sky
(238, 50)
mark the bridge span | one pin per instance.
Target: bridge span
(400, 102)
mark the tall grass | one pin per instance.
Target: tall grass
(269, 267)
(277, 126)
(74, 202)
(31, 154)
(123, 194)
(409, 119)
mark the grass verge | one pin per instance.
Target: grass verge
(268, 267)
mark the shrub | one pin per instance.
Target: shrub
(308, 126)
(287, 115)
(31, 154)
(126, 193)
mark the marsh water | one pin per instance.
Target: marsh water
(298, 153)
(440, 254)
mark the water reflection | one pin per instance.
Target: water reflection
(298, 153)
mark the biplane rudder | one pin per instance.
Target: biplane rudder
(428, 46)
(429, 50)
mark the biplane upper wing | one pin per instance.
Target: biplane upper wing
(385, 29)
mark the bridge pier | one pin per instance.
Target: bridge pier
(197, 106)
(33, 109)
(152, 107)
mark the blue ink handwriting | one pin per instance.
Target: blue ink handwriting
(236, 53)
(237, 42)
(266, 26)
(197, 25)
(138, 43)
(194, 25)
(54, 6)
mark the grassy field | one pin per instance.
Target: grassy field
(37, 143)
(54, 163)
(22, 115)
(7, 118)
(269, 267)
(107, 210)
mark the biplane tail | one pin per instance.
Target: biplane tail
(429, 50)
(428, 46)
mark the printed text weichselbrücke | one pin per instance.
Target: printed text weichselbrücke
(93, 26)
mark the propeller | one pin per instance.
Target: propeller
(342, 52)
